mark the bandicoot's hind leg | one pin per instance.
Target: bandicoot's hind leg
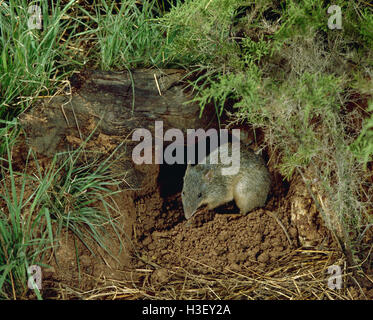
(246, 200)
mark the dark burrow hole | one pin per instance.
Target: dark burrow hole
(170, 179)
(171, 176)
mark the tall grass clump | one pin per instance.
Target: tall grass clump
(72, 193)
(25, 228)
(33, 61)
(126, 34)
(80, 196)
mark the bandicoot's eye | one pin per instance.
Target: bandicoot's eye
(200, 195)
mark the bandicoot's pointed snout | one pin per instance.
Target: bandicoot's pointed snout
(189, 208)
(188, 212)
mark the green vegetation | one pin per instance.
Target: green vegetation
(67, 194)
(23, 238)
(78, 194)
(276, 62)
(126, 35)
(33, 62)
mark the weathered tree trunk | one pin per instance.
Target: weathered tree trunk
(117, 103)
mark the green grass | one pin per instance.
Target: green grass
(79, 195)
(127, 35)
(33, 62)
(68, 195)
(24, 237)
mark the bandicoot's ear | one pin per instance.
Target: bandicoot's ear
(208, 176)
